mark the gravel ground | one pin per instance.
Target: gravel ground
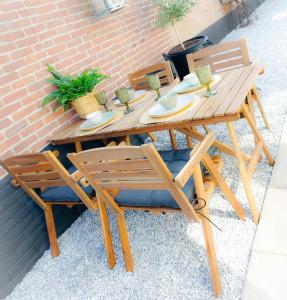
(170, 258)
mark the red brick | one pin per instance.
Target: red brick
(21, 53)
(16, 128)
(8, 109)
(11, 36)
(5, 123)
(17, 95)
(14, 65)
(32, 128)
(7, 16)
(33, 97)
(24, 144)
(20, 114)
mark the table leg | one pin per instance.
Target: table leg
(173, 139)
(260, 106)
(78, 146)
(243, 173)
(257, 134)
(250, 106)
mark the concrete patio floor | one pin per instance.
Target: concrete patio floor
(267, 272)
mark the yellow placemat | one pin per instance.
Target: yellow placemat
(147, 119)
(200, 88)
(118, 116)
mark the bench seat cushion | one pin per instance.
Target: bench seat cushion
(64, 193)
(175, 161)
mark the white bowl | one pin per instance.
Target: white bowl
(191, 79)
(168, 101)
(95, 117)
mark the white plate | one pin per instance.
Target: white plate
(138, 94)
(183, 87)
(158, 111)
(106, 117)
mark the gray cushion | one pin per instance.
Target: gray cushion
(175, 161)
(64, 193)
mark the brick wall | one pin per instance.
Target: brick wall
(66, 34)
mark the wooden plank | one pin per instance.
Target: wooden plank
(233, 94)
(228, 64)
(255, 158)
(215, 49)
(125, 175)
(139, 164)
(222, 94)
(25, 159)
(134, 185)
(40, 176)
(46, 183)
(32, 168)
(111, 153)
(215, 100)
(218, 57)
(245, 87)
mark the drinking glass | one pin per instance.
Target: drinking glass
(124, 97)
(101, 97)
(154, 84)
(204, 76)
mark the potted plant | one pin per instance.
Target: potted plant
(75, 90)
(170, 13)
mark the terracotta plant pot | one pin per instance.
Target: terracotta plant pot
(86, 105)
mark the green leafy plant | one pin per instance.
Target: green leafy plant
(70, 88)
(172, 12)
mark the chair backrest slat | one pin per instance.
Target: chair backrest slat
(142, 164)
(118, 167)
(221, 57)
(138, 79)
(111, 154)
(45, 183)
(39, 176)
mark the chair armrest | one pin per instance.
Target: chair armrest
(196, 155)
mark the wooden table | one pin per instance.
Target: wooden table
(227, 106)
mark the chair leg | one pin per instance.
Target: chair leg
(52, 234)
(173, 139)
(212, 259)
(207, 232)
(260, 106)
(125, 243)
(107, 234)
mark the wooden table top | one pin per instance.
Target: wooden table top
(224, 106)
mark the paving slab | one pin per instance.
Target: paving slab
(279, 176)
(271, 235)
(266, 278)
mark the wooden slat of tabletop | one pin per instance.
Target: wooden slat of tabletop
(215, 99)
(222, 94)
(235, 87)
(231, 92)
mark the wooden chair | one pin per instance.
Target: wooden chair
(138, 81)
(226, 56)
(48, 183)
(131, 177)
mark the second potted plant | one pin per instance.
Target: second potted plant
(170, 13)
(75, 90)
